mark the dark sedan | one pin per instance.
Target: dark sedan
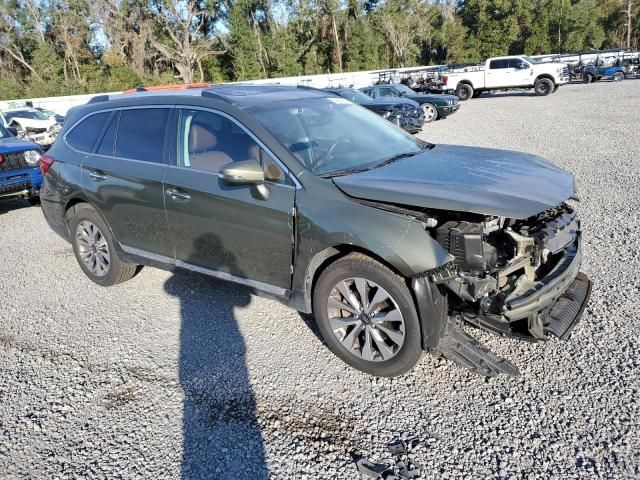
(402, 111)
(433, 105)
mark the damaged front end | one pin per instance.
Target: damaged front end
(43, 136)
(519, 278)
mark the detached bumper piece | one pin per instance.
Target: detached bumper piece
(564, 314)
(466, 351)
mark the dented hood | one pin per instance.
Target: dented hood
(26, 123)
(465, 179)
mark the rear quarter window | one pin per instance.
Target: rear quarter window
(84, 135)
(141, 134)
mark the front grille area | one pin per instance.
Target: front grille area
(13, 161)
(14, 187)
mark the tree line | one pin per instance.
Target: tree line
(64, 47)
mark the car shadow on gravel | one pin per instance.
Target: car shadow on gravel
(221, 437)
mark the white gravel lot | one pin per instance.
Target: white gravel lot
(177, 375)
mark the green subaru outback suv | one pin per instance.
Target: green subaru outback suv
(392, 243)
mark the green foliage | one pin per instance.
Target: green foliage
(60, 47)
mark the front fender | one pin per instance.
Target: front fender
(328, 222)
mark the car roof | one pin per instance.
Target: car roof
(240, 95)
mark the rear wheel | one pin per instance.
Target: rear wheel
(367, 317)
(464, 91)
(588, 78)
(543, 86)
(430, 112)
(94, 247)
(618, 77)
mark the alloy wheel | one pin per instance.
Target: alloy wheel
(429, 112)
(366, 319)
(93, 248)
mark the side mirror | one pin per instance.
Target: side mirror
(13, 131)
(402, 94)
(523, 66)
(247, 171)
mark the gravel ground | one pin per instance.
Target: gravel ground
(175, 375)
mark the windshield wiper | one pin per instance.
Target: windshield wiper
(344, 171)
(396, 158)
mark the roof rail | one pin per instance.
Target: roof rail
(176, 86)
(216, 95)
(98, 98)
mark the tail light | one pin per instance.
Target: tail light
(445, 79)
(1, 159)
(45, 163)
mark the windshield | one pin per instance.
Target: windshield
(47, 113)
(330, 135)
(532, 60)
(4, 133)
(355, 96)
(31, 114)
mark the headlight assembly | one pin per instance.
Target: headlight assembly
(32, 157)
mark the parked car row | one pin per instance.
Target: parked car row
(303, 196)
(401, 105)
(542, 73)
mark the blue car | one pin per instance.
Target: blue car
(19, 168)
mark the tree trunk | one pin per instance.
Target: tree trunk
(628, 12)
(338, 51)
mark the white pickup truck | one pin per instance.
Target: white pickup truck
(505, 73)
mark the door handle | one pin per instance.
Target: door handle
(177, 195)
(97, 176)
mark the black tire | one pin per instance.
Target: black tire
(543, 87)
(618, 77)
(588, 78)
(117, 270)
(34, 201)
(359, 265)
(464, 91)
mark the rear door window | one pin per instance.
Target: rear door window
(85, 134)
(141, 134)
(499, 64)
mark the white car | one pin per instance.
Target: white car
(505, 73)
(32, 125)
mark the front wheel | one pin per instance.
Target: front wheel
(464, 91)
(430, 112)
(588, 78)
(94, 247)
(618, 77)
(367, 316)
(543, 87)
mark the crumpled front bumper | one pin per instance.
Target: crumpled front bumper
(555, 303)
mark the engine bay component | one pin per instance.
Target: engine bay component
(467, 243)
